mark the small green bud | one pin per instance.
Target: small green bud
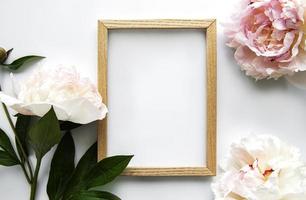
(3, 55)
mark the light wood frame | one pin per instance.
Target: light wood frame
(207, 25)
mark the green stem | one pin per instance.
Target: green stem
(20, 145)
(34, 180)
(25, 173)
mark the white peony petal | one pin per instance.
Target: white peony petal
(277, 172)
(15, 85)
(40, 109)
(15, 104)
(8, 100)
(83, 111)
(74, 98)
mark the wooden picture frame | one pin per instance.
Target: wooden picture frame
(209, 26)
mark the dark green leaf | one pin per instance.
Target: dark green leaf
(7, 160)
(6, 145)
(86, 163)
(68, 126)
(45, 134)
(62, 167)
(94, 195)
(22, 128)
(20, 61)
(106, 170)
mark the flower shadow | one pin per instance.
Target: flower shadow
(153, 186)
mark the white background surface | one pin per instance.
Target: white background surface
(65, 32)
(157, 101)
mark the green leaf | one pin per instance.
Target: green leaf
(62, 167)
(94, 195)
(106, 170)
(7, 146)
(86, 163)
(44, 134)
(16, 64)
(7, 160)
(22, 128)
(68, 126)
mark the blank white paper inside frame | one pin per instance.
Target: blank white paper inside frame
(157, 96)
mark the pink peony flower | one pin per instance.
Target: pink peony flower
(268, 36)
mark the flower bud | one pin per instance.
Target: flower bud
(3, 54)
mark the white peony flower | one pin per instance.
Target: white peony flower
(74, 98)
(261, 168)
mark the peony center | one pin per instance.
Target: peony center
(267, 173)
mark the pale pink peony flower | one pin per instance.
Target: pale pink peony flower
(261, 168)
(74, 98)
(268, 36)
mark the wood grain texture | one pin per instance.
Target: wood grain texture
(172, 171)
(207, 25)
(156, 24)
(102, 87)
(211, 63)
